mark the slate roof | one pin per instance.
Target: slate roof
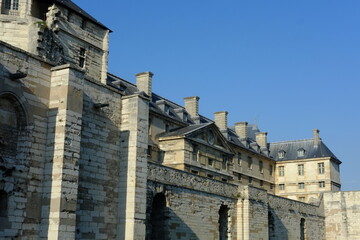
(291, 150)
(185, 130)
(79, 10)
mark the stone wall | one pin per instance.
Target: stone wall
(192, 204)
(342, 212)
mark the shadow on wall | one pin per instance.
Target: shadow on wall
(164, 224)
(277, 229)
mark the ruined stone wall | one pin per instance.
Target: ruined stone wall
(192, 204)
(342, 215)
(23, 124)
(99, 164)
(286, 215)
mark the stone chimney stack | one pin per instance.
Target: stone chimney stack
(317, 138)
(144, 82)
(221, 120)
(192, 106)
(261, 140)
(241, 130)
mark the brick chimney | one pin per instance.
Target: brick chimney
(144, 82)
(317, 138)
(192, 105)
(221, 120)
(241, 130)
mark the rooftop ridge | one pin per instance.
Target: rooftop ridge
(290, 141)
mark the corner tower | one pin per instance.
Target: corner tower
(58, 31)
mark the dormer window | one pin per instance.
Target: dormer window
(10, 7)
(281, 154)
(300, 152)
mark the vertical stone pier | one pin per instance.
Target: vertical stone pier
(133, 166)
(63, 152)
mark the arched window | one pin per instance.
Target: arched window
(158, 218)
(223, 222)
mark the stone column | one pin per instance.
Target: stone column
(63, 153)
(133, 166)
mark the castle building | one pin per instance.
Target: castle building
(85, 154)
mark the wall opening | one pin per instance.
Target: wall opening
(302, 229)
(223, 222)
(158, 218)
(3, 204)
(271, 226)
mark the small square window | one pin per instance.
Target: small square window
(281, 154)
(250, 180)
(321, 184)
(281, 187)
(301, 186)
(210, 162)
(301, 152)
(261, 183)
(302, 199)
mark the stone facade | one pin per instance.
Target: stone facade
(87, 155)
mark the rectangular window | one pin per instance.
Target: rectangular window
(250, 162)
(261, 183)
(210, 162)
(239, 177)
(281, 171)
(281, 187)
(301, 169)
(271, 186)
(301, 185)
(271, 170)
(321, 168)
(250, 180)
(15, 5)
(82, 57)
(239, 159)
(224, 162)
(261, 166)
(7, 4)
(321, 184)
(302, 199)
(195, 152)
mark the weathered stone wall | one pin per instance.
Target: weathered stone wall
(99, 164)
(192, 204)
(342, 215)
(24, 104)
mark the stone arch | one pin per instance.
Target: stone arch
(223, 222)
(158, 218)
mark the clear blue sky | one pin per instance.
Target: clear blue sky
(290, 66)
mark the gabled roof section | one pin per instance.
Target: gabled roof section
(292, 150)
(200, 133)
(77, 9)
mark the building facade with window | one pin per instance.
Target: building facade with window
(85, 154)
(306, 168)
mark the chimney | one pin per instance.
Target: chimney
(192, 106)
(144, 82)
(221, 120)
(241, 130)
(317, 139)
(261, 140)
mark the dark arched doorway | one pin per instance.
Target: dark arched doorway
(223, 222)
(158, 218)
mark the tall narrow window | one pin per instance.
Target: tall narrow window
(224, 162)
(82, 57)
(223, 222)
(195, 152)
(239, 159)
(15, 5)
(261, 166)
(321, 168)
(250, 162)
(3, 204)
(271, 170)
(301, 169)
(7, 4)
(302, 229)
(281, 171)
(271, 225)
(158, 218)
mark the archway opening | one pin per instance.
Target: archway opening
(223, 222)
(158, 218)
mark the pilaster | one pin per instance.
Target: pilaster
(133, 167)
(63, 152)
